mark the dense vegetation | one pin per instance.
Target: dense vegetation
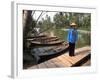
(63, 20)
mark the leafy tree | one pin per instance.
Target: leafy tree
(60, 20)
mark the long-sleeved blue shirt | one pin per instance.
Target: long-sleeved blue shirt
(72, 35)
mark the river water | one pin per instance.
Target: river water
(84, 37)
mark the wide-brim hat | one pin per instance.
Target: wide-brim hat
(73, 24)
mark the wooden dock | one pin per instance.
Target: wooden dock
(82, 58)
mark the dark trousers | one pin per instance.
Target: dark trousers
(71, 49)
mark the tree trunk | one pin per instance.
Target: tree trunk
(27, 26)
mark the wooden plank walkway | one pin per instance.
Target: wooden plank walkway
(65, 60)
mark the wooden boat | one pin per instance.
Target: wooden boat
(44, 48)
(42, 51)
(41, 38)
(46, 43)
(45, 53)
(53, 39)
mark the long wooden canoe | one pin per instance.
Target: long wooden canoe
(46, 53)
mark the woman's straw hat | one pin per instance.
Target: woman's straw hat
(73, 24)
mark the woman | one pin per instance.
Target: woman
(72, 38)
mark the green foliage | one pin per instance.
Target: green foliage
(45, 23)
(63, 20)
(60, 20)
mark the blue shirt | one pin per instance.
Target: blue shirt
(72, 35)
